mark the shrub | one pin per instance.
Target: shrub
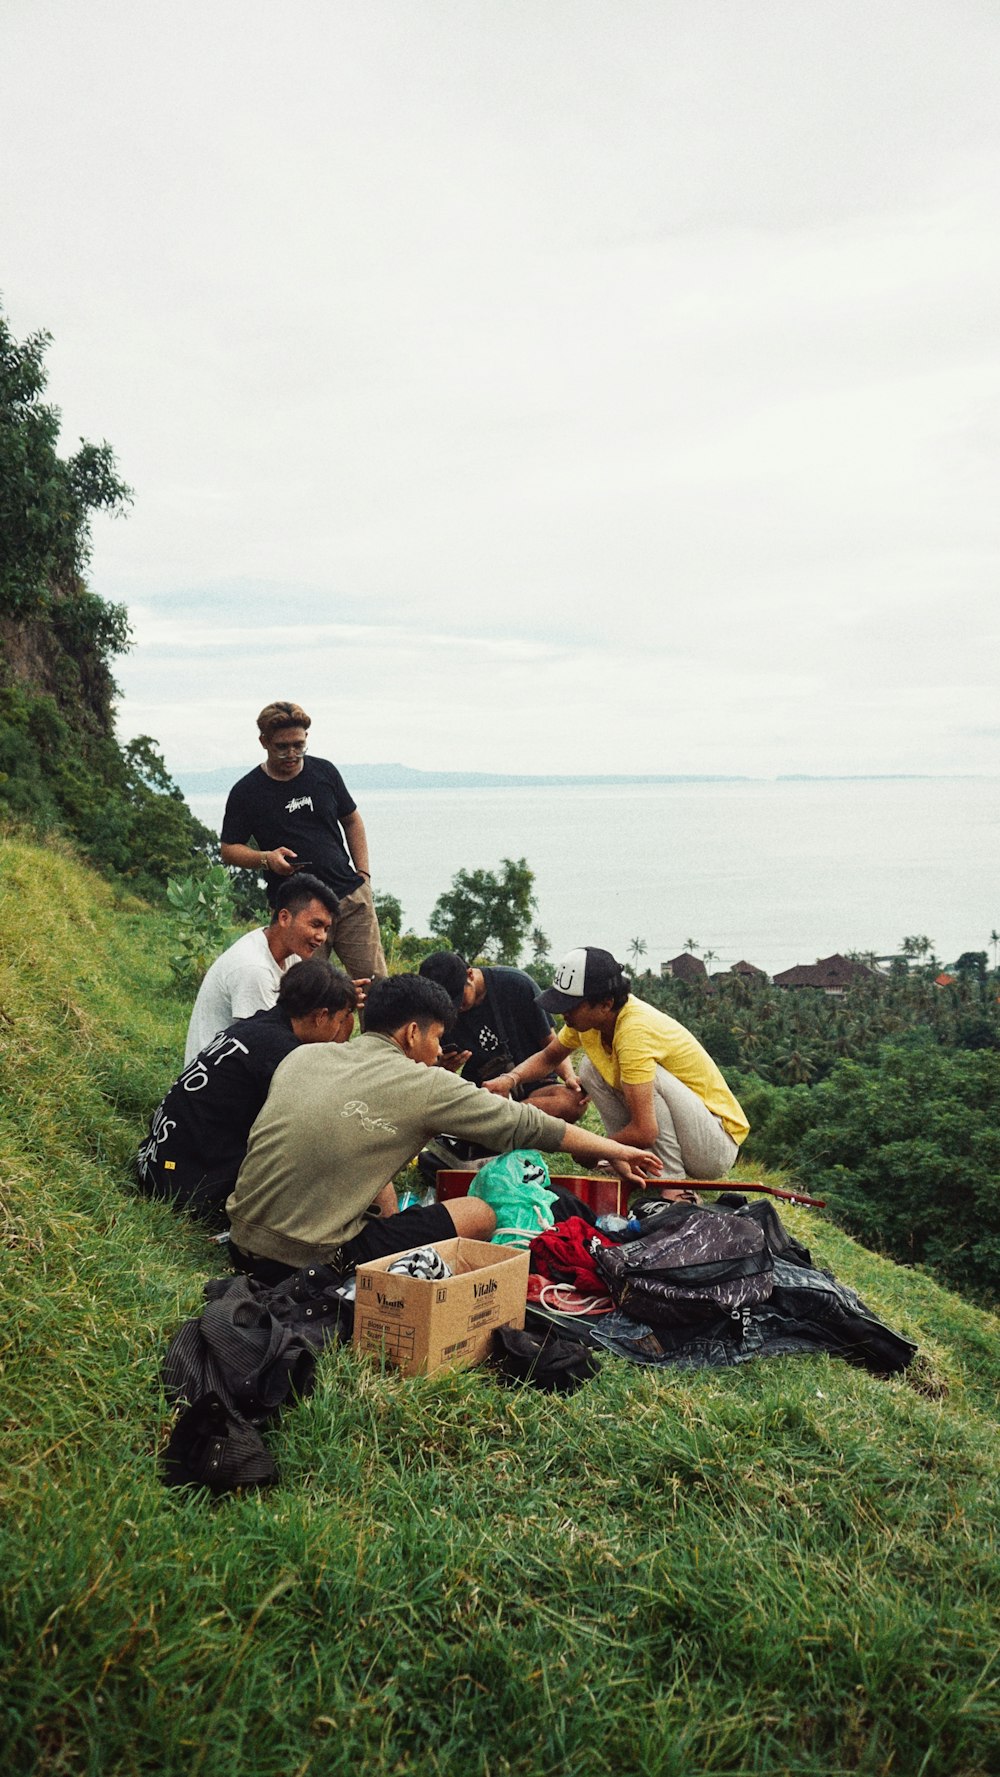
(204, 906)
(908, 1155)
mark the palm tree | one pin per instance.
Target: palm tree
(917, 946)
(692, 945)
(796, 1068)
(709, 956)
(994, 940)
(637, 949)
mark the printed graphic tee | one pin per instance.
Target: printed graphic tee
(303, 812)
(207, 1114)
(506, 1028)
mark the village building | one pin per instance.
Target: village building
(831, 974)
(686, 968)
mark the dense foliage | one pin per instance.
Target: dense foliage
(796, 1036)
(906, 1151)
(45, 500)
(61, 768)
(206, 916)
(487, 913)
(886, 1102)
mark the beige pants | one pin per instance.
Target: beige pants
(355, 937)
(691, 1142)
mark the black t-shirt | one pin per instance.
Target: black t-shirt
(304, 811)
(506, 1028)
(207, 1115)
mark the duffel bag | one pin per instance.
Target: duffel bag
(697, 1265)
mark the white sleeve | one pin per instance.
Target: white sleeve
(255, 989)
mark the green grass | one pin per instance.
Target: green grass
(786, 1568)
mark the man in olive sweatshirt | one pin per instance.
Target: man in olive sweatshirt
(340, 1121)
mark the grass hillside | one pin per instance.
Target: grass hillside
(791, 1568)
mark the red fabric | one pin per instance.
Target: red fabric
(561, 1254)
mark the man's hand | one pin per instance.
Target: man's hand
(453, 1059)
(281, 860)
(503, 1085)
(634, 1165)
(563, 1101)
(361, 987)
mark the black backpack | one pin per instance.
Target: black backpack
(695, 1265)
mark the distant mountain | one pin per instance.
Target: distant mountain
(404, 777)
(855, 777)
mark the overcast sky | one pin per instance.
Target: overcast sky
(530, 384)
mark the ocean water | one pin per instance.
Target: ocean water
(777, 873)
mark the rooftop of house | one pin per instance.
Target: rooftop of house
(831, 973)
(687, 967)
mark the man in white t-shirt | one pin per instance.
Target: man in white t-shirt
(246, 977)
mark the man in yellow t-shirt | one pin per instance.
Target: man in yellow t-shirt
(651, 1080)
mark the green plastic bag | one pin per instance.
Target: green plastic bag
(516, 1188)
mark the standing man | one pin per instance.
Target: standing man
(294, 812)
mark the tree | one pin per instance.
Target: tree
(709, 956)
(637, 950)
(908, 1154)
(971, 966)
(994, 940)
(692, 945)
(61, 767)
(45, 500)
(795, 1067)
(539, 944)
(389, 909)
(917, 946)
(540, 965)
(486, 913)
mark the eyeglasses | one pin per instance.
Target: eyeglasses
(293, 751)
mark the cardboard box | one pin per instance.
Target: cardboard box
(425, 1326)
(606, 1196)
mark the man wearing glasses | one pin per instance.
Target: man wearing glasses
(294, 812)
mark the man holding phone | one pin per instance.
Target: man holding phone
(294, 812)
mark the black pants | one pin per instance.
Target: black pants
(382, 1235)
(190, 1185)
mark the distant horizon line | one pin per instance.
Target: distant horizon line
(395, 776)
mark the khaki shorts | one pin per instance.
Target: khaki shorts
(355, 937)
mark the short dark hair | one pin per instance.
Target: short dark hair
(616, 990)
(449, 970)
(298, 890)
(402, 999)
(276, 716)
(315, 985)
(619, 988)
